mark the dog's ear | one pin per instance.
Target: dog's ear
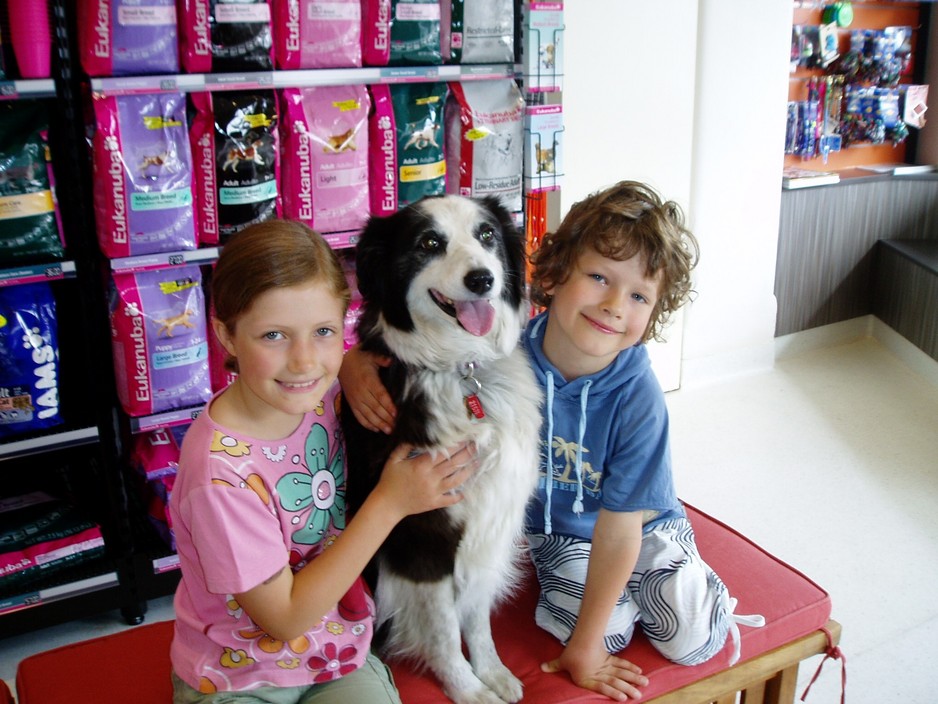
(371, 253)
(514, 249)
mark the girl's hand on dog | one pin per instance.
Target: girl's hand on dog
(363, 391)
(417, 483)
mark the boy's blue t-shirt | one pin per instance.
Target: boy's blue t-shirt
(606, 437)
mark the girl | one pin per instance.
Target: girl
(271, 606)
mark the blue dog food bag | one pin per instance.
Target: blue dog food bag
(29, 359)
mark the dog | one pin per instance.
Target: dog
(442, 283)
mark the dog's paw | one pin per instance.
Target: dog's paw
(503, 683)
(481, 695)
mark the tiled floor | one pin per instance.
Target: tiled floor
(830, 461)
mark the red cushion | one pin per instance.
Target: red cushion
(792, 604)
(6, 696)
(133, 665)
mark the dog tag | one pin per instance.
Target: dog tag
(474, 406)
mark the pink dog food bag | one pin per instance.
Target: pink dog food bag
(325, 157)
(158, 337)
(143, 175)
(317, 33)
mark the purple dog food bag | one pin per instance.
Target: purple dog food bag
(159, 340)
(128, 37)
(317, 33)
(407, 147)
(143, 174)
(225, 35)
(484, 140)
(325, 158)
(29, 359)
(235, 153)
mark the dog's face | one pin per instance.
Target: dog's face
(443, 281)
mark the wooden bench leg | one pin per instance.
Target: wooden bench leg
(781, 688)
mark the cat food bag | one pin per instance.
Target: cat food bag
(225, 35)
(406, 142)
(143, 174)
(401, 32)
(477, 31)
(325, 157)
(30, 228)
(485, 140)
(235, 154)
(29, 359)
(128, 37)
(159, 340)
(317, 33)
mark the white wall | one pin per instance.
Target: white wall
(690, 97)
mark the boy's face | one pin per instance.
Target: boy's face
(602, 308)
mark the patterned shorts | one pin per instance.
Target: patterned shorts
(680, 603)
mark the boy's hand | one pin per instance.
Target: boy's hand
(363, 391)
(600, 672)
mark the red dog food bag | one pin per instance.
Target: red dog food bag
(325, 158)
(236, 161)
(316, 34)
(225, 35)
(485, 140)
(376, 32)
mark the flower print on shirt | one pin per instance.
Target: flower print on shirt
(333, 663)
(318, 489)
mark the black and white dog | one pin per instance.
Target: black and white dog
(443, 289)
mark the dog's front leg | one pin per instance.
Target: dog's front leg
(428, 621)
(477, 630)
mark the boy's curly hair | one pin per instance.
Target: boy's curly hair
(620, 222)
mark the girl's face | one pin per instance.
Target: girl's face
(603, 308)
(289, 349)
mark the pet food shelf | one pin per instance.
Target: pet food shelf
(37, 272)
(34, 88)
(187, 83)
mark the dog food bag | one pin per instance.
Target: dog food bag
(401, 32)
(225, 35)
(406, 141)
(317, 33)
(485, 140)
(159, 340)
(143, 174)
(40, 535)
(128, 37)
(29, 359)
(324, 174)
(477, 31)
(235, 153)
(30, 230)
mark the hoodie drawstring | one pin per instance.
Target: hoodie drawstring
(549, 479)
(584, 396)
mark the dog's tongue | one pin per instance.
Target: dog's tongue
(475, 316)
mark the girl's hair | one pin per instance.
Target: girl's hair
(620, 222)
(267, 255)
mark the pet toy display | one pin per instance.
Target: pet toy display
(860, 98)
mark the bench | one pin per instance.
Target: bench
(133, 665)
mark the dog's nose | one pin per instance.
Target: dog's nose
(479, 280)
